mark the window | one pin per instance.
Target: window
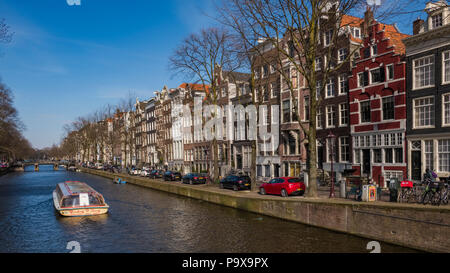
(318, 87)
(374, 50)
(377, 75)
(328, 37)
(390, 72)
(363, 79)
(306, 108)
(377, 156)
(331, 150)
(224, 92)
(343, 84)
(319, 118)
(446, 66)
(365, 111)
(292, 144)
(388, 156)
(275, 89)
(330, 116)
(398, 155)
(265, 93)
(446, 109)
(423, 112)
(343, 114)
(423, 72)
(286, 111)
(388, 108)
(342, 55)
(429, 151)
(357, 157)
(318, 64)
(265, 70)
(444, 155)
(330, 88)
(436, 21)
(272, 68)
(344, 148)
(356, 32)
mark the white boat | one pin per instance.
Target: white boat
(74, 198)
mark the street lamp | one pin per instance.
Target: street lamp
(332, 139)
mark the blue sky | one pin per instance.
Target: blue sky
(68, 61)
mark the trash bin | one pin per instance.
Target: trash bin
(343, 189)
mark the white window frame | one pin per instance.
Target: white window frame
(342, 79)
(414, 113)
(340, 114)
(325, 36)
(330, 83)
(444, 66)
(370, 76)
(445, 124)
(433, 21)
(359, 76)
(332, 107)
(318, 64)
(340, 149)
(414, 72)
(345, 55)
(390, 66)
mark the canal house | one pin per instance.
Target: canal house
(377, 104)
(428, 93)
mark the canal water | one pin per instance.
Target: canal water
(142, 220)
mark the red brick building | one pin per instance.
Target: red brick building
(377, 100)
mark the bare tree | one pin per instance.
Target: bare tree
(198, 57)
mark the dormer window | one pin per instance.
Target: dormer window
(436, 21)
(356, 32)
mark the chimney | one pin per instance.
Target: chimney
(417, 25)
(368, 20)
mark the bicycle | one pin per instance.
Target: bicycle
(432, 193)
(445, 194)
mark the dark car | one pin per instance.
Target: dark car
(236, 182)
(194, 178)
(172, 176)
(156, 174)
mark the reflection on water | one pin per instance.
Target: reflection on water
(143, 220)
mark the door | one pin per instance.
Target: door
(366, 162)
(276, 170)
(416, 165)
(320, 157)
(239, 162)
(269, 186)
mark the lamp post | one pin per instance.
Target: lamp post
(332, 139)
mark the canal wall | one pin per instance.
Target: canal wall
(415, 226)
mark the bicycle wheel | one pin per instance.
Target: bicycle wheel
(427, 196)
(436, 199)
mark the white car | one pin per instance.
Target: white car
(145, 172)
(136, 172)
(99, 166)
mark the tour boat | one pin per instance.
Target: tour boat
(74, 198)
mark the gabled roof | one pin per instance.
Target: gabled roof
(194, 86)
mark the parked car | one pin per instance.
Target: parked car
(236, 182)
(145, 172)
(283, 186)
(156, 174)
(99, 166)
(194, 178)
(172, 176)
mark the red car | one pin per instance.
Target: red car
(283, 186)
